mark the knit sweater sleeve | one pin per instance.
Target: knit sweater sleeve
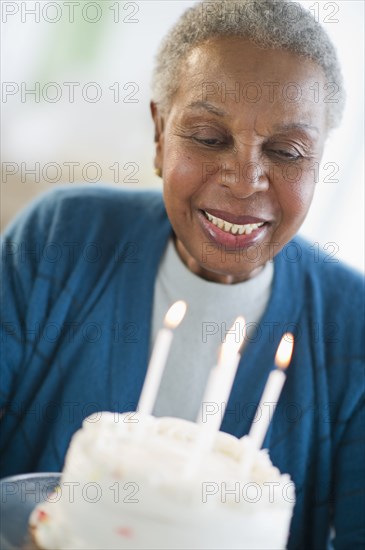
(347, 366)
(348, 483)
(54, 254)
(24, 262)
(342, 290)
(78, 269)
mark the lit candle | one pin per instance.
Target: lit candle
(217, 392)
(272, 390)
(157, 363)
(221, 376)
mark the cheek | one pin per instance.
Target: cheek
(181, 174)
(295, 197)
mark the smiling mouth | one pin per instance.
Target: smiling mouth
(232, 228)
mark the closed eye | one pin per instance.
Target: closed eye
(209, 142)
(287, 155)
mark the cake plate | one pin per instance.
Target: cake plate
(18, 497)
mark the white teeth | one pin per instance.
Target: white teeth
(233, 228)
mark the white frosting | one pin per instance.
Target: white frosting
(124, 485)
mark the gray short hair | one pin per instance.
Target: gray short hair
(273, 24)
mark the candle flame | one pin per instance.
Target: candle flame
(175, 314)
(230, 349)
(284, 351)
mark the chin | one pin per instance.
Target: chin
(226, 274)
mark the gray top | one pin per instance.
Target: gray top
(212, 309)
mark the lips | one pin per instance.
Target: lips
(232, 218)
(231, 230)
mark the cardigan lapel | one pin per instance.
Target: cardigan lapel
(130, 361)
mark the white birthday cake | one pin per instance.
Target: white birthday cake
(126, 485)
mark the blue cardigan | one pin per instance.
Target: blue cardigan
(79, 268)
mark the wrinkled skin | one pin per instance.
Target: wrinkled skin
(244, 157)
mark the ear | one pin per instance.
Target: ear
(159, 125)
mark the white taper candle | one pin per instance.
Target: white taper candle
(272, 391)
(217, 392)
(158, 359)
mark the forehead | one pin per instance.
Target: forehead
(239, 56)
(231, 73)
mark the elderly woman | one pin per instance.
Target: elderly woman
(244, 96)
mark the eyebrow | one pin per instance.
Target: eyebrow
(277, 127)
(294, 126)
(208, 107)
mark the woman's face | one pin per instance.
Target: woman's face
(238, 150)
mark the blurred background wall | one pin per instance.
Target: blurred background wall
(75, 106)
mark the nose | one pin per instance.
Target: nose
(244, 173)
